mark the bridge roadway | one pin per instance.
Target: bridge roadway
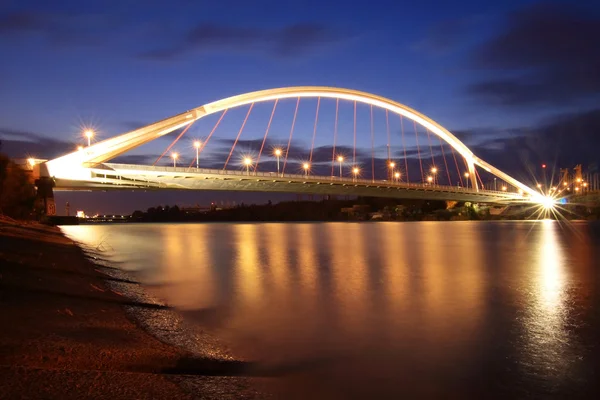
(111, 176)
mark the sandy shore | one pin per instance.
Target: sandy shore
(65, 335)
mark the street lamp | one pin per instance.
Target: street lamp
(340, 160)
(278, 155)
(495, 187)
(31, 162)
(174, 156)
(429, 179)
(467, 176)
(306, 167)
(80, 147)
(434, 171)
(247, 163)
(504, 188)
(197, 145)
(397, 176)
(392, 165)
(89, 134)
(355, 171)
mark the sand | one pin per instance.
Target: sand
(64, 333)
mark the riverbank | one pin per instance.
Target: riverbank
(65, 333)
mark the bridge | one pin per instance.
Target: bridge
(410, 171)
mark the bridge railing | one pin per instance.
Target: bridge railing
(313, 178)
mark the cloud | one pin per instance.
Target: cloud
(562, 141)
(546, 55)
(17, 143)
(289, 41)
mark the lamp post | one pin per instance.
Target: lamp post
(429, 179)
(278, 155)
(495, 188)
(397, 176)
(197, 145)
(504, 188)
(306, 167)
(174, 156)
(340, 160)
(467, 176)
(355, 172)
(434, 171)
(392, 165)
(247, 163)
(89, 134)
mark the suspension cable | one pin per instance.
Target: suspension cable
(287, 150)
(203, 145)
(354, 149)
(335, 128)
(387, 127)
(312, 144)
(404, 147)
(430, 148)
(238, 135)
(445, 162)
(372, 147)
(457, 169)
(419, 152)
(174, 141)
(266, 133)
(478, 177)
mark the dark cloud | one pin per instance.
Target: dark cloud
(562, 142)
(292, 40)
(17, 143)
(546, 55)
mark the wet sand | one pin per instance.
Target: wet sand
(65, 334)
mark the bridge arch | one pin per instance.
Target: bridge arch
(113, 147)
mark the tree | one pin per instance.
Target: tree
(17, 192)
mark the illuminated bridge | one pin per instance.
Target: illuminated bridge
(361, 144)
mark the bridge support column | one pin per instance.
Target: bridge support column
(472, 175)
(45, 195)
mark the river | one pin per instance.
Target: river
(385, 310)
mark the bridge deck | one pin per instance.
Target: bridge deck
(126, 176)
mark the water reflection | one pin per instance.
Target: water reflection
(430, 301)
(547, 351)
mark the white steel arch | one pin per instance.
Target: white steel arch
(66, 166)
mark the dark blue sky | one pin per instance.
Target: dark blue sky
(501, 75)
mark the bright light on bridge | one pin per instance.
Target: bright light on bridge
(306, 167)
(89, 134)
(547, 202)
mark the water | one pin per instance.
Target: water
(385, 310)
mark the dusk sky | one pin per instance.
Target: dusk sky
(517, 81)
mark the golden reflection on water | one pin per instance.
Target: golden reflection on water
(248, 277)
(276, 246)
(547, 348)
(292, 287)
(551, 270)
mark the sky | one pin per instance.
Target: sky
(517, 81)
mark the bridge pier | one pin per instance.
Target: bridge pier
(45, 193)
